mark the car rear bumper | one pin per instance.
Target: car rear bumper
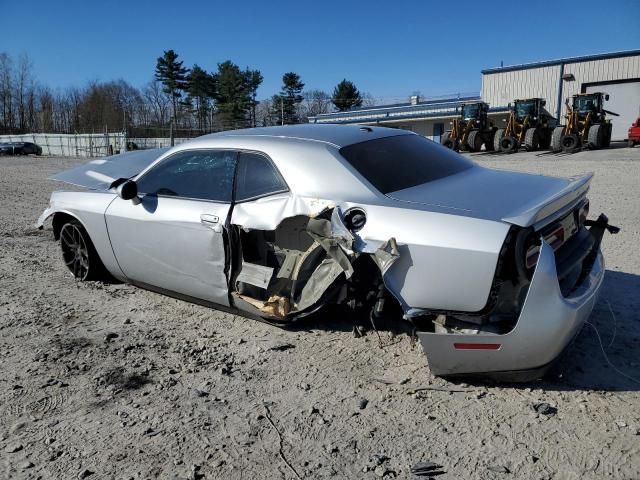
(546, 325)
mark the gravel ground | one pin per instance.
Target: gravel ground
(110, 381)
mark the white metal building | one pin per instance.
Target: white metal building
(617, 74)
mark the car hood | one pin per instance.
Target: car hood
(99, 174)
(518, 198)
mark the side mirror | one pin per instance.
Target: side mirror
(127, 190)
(544, 102)
(606, 97)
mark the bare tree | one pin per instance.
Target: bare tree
(24, 83)
(6, 91)
(157, 101)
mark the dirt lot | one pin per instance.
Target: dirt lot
(110, 381)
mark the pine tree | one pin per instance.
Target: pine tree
(346, 96)
(172, 74)
(201, 89)
(232, 95)
(285, 105)
(253, 79)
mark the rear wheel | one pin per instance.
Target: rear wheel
(556, 139)
(532, 139)
(595, 138)
(497, 138)
(79, 254)
(631, 143)
(474, 141)
(508, 145)
(570, 143)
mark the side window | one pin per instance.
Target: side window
(257, 177)
(200, 174)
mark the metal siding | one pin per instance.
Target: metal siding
(501, 88)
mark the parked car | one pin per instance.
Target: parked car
(20, 148)
(633, 136)
(497, 270)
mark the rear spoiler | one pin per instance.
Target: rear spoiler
(553, 207)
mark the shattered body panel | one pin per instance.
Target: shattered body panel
(450, 251)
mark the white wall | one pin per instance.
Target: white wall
(501, 88)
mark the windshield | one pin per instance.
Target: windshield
(403, 161)
(525, 108)
(585, 104)
(470, 112)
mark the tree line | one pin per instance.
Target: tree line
(178, 98)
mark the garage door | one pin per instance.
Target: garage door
(624, 99)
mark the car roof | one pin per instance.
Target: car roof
(337, 135)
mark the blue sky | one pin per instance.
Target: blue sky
(388, 48)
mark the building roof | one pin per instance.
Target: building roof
(560, 61)
(441, 107)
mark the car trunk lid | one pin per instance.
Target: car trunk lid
(517, 198)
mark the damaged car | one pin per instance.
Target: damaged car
(497, 270)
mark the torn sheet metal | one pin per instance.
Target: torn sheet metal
(311, 272)
(334, 237)
(99, 174)
(386, 255)
(268, 212)
(257, 275)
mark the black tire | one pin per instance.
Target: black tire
(532, 139)
(606, 142)
(556, 139)
(488, 144)
(497, 138)
(508, 145)
(79, 254)
(631, 143)
(570, 143)
(474, 141)
(595, 137)
(446, 141)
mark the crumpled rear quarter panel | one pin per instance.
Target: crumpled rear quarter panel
(447, 262)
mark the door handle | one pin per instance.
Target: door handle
(211, 221)
(207, 219)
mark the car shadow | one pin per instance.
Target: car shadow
(583, 366)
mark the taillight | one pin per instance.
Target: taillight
(555, 239)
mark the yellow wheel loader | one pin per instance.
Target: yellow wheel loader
(586, 124)
(529, 125)
(471, 130)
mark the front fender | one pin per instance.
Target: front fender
(88, 208)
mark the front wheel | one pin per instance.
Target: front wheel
(79, 254)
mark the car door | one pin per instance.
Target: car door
(172, 236)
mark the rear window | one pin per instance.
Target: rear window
(395, 163)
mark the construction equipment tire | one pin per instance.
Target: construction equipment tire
(556, 139)
(532, 139)
(497, 138)
(508, 145)
(570, 143)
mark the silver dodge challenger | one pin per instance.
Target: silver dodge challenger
(497, 270)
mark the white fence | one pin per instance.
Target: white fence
(87, 144)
